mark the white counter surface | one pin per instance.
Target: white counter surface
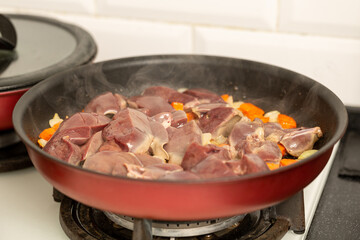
(28, 211)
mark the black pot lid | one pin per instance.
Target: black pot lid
(44, 47)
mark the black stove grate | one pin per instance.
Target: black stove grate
(82, 222)
(13, 154)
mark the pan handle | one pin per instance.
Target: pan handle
(142, 229)
(8, 37)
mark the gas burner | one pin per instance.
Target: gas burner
(13, 154)
(82, 222)
(180, 229)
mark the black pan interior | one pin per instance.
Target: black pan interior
(267, 86)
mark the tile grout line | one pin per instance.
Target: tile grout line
(277, 24)
(191, 25)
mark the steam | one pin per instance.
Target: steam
(270, 88)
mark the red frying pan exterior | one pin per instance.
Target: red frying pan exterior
(8, 100)
(178, 200)
(181, 200)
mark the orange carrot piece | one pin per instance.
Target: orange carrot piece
(282, 149)
(286, 121)
(223, 145)
(47, 133)
(251, 111)
(190, 116)
(264, 119)
(177, 105)
(272, 166)
(285, 162)
(225, 97)
(251, 108)
(56, 126)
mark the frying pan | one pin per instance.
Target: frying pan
(269, 87)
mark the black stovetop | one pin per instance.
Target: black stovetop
(338, 213)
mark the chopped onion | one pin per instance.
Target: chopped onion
(55, 120)
(42, 142)
(307, 153)
(272, 115)
(219, 140)
(205, 138)
(237, 104)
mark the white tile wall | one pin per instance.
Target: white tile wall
(123, 38)
(260, 14)
(320, 38)
(326, 17)
(74, 6)
(333, 62)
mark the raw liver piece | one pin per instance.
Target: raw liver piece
(188, 100)
(160, 91)
(110, 162)
(242, 130)
(251, 163)
(268, 151)
(94, 121)
(64, 144)
(65, 150)
(147, 160)
(205, 96)
(165, 118)
(153, 104)
(76, 130)
(274, 132)
(151, 172)
(179, 118)
(212, 168)
(110, 145)
(300, 140)
(131, 130)
(106, 103)
(195, 153)
(219, 121)
(76, 135)
(160, 139)
(203, 108)
(180, 139)
(92, 145)
(235, 166)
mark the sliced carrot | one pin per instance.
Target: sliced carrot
(282, 149)
(264, 119)
(56, 126)
(286, 121)
(47, 133)
(272, 166)
(190, 116)
(225, 97)
(247, 108)
(223, 145)
(177, 105)
(285, 162)
(251, 111)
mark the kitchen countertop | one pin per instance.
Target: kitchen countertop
(338, 213)
(27, 209)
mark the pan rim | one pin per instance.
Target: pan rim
(340, 131)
